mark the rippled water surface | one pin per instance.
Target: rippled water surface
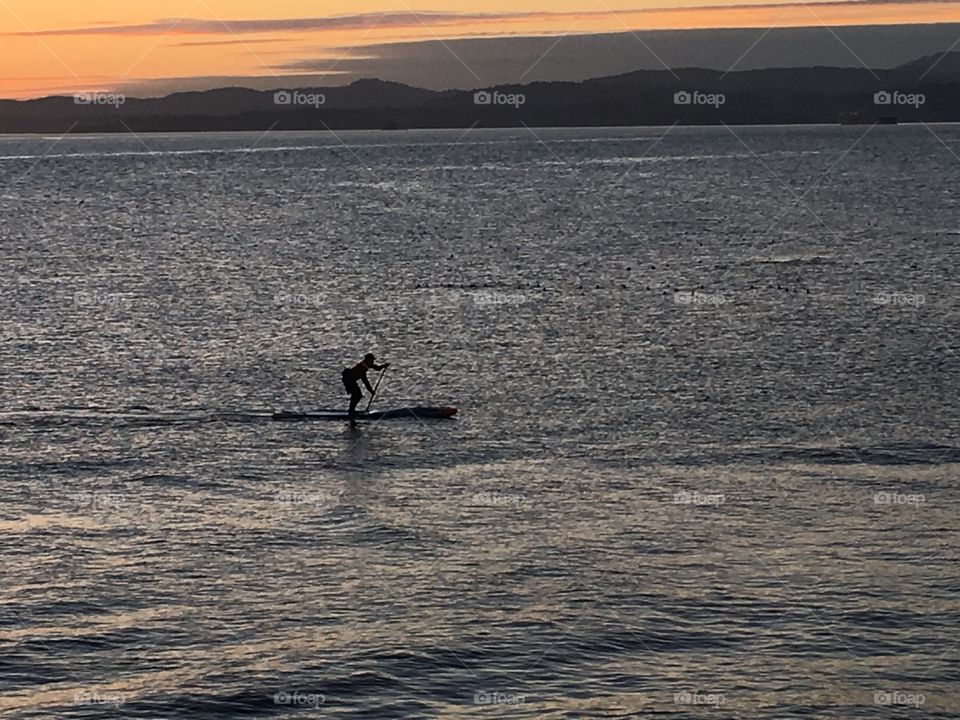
(705, 463)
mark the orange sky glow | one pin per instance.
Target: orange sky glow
(60, 48)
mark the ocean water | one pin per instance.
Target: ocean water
(705, 463)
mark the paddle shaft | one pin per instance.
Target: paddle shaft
(375, 388)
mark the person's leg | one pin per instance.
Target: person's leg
(355, 396)
(348, 383)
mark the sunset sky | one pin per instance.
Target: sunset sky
(55, 47)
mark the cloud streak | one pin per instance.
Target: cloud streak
(411, 19)
(198, 26)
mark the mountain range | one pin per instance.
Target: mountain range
(924, 90)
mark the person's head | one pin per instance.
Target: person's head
(369, 359)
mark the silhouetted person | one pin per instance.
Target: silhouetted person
(353, 376)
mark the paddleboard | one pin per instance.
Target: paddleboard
(408, 413)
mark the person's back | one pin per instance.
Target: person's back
(358, 371)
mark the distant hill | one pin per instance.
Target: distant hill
(932, 67)
(927, 89)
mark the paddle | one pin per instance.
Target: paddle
(375, 388)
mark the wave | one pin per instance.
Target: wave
(884, 454)
(791, 259)
(130, 417)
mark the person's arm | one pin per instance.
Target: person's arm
(367, 383)
(381, 367)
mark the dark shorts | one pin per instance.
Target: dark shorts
(350, 384)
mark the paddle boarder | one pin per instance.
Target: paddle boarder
(356, 374)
